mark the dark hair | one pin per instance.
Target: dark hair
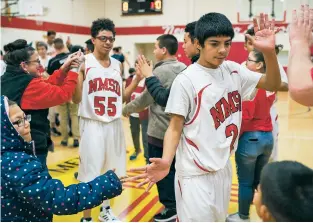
(1, 53)
(169, 42)
(131, 70)
(58, 43)
(40, 44)
(90, 45)
(11, 103)
(212, 25)
(100, 25)
(287, 191)
(51, 32)
(17, 52)
(76, 48)
(115, 49)
(279, 48)
(250, 32)
(190, 29)
(259, 58)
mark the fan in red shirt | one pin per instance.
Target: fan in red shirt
(23, 84)
(256, 140)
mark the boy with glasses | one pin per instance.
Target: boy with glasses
(100, 94)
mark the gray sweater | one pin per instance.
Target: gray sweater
(166, 71)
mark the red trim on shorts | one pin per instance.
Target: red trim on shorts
(191, 143)
(200, 167)
(234, 72)
(198, 105)
(312, 73)
(177, 219)
(276, 118)
(181, 193)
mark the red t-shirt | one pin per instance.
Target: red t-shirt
(256, 113)
(143, 115)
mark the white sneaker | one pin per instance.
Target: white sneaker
(106, 215)
(236, 218)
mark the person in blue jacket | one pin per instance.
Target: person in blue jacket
(28, 193)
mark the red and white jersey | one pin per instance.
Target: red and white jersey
(102, 96)
(211, 102)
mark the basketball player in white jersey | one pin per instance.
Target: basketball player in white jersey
(205, 107)
(100, 94)
(283, 87)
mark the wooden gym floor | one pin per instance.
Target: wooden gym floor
(295, 143)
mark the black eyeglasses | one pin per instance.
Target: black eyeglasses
(255, 61)
(21, 122)
(106, 38)
(33, 61)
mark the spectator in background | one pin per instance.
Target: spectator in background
(138, 119)
(50, 40)
(300, 67)
(76, 48)
(21, 83)
(117, 54)
(89, 47)
(2, 64)
(67, 110)
(61, 54)
(42, 49)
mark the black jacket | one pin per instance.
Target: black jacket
(13, 84)
(56, 62)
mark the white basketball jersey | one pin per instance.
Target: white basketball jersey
(102, 96)
(212, 128)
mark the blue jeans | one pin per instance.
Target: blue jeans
(253, 153)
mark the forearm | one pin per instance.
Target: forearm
(157, 91)
(129, 90)
(171, 140)
(299, 72)
(273, 79)
(77, 96)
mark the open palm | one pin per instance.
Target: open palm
(265, 31)
(154, 172)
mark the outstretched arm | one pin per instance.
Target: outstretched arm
(300, 67)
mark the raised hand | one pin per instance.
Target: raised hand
(264, 39)
(301, 26)
(143, 67)
(154, 172)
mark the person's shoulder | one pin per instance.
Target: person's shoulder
(114, 60)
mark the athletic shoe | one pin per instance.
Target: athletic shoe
(86, 220)
(237, 218)
(106, 215)
(167, 215)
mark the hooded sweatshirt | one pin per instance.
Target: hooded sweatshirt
(28, 193)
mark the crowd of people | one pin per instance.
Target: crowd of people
(192, 120)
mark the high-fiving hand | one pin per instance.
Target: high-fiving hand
(154, 172)
(144, 67)
(264, 39)
(301, 26)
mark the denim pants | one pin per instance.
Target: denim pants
(253, 152)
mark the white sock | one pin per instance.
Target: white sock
(106, 204)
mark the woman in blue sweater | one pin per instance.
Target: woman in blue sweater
(28, 193)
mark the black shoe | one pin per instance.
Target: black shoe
(86, 220)
(70, 134)
(55, 132)
(76, 175)
(167, 215)
(133, 156)
(76, 143)
(63, 143)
